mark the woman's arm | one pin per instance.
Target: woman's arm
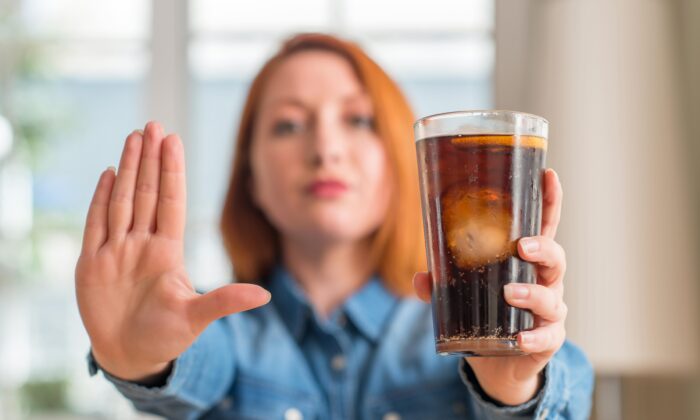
(198, 378)
(565, 392)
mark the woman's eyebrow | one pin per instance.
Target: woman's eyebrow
(362, 97)
(289, 101)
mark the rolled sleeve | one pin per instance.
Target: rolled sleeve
(200, 378)
(569, 394)
(565, 393)
(486, 407)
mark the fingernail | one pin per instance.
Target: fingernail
(527, 337)
(112, 168)
(556, 175)
(158, 128)
(516, 291)
(530, 245)
(139, 131)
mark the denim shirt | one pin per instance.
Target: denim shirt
(373, 358)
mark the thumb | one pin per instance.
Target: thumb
(226, 300)
(422, 285)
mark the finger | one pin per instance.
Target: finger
(172, 193)
(547, 339)
(147, 182)
(121, 206)
(542, 301)
(547, 254)
(96, 222)
(551, 203)
(226, 300)
(423, 285)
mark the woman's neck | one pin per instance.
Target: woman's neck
(328, 273)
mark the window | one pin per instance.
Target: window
(77, 86)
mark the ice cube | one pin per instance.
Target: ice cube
(477, 223)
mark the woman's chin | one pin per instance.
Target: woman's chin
(328, 226)
(340, 234)
(336, 231)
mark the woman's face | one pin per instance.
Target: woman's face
(320, 172)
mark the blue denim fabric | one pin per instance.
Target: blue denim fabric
(374, 358)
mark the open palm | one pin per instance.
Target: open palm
(135, 298)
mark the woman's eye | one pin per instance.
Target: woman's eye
(286, 127)
(362, 121)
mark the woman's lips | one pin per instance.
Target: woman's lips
(327, 189)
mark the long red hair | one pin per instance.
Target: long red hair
(398, 250)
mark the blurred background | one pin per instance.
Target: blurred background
(619, 81)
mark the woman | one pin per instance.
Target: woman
(322, 210)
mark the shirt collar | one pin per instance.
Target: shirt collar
(368, 309)
(290, 301)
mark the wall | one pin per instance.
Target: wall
(607, 74)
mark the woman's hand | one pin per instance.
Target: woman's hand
(515, 380)
(133, 292)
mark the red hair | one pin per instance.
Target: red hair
(397, 247)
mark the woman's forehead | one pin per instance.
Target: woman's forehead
(359, 99)
(312, 76)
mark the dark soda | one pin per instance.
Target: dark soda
(481, 193)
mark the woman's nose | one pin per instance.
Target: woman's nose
(327, 144)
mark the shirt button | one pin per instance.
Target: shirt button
(293, 414)
(543, 415)
(225, 404)
(391, 416)
(338, 362)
